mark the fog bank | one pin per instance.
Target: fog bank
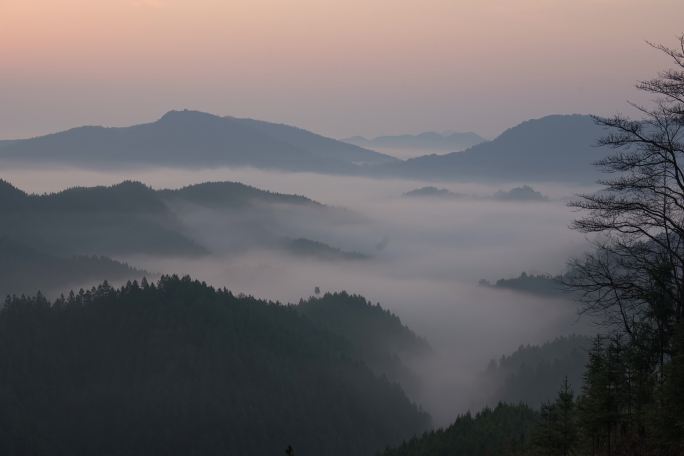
(427, 257)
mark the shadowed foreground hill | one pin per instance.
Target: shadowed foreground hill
(181, 368)
(378, 336)
(503, 430)
(368, 325)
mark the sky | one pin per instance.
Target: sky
(340, 68)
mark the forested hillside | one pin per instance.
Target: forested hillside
(533, 373)
(377, 336)
(631, 401)
(125, 218)
(24, 270)
(502, 430)
(132, 218)
(541, 284)
(180, 368)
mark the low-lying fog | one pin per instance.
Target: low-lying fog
(428, 256)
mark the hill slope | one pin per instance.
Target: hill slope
(179, 368)
(124, 218)
(553, 148)
(377, 335)
(196, 139)
(24, 270)
(133, 218)
(532, 373)
(503, 430)
(421, 144)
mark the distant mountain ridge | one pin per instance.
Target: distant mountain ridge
(194, 139)
(433, 193)
(523, 193)
(314, 249)
(552, 148)
(426, 142)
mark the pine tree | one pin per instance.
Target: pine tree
(596, 404)
(558, 431)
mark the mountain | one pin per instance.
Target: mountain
(180, 368)
(502, 430)
(553, 148)
(420, 144)
(229, 216)
(368, 325)
(125, 218)
(432, 193)
(524, 193)
(540, 284)
(194, 139)
(24, 270)
(234, 195)
(317, 145)
(322, 251)
(378, 337)
(532, 373)
(131, 218)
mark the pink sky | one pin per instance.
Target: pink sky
(341, 68)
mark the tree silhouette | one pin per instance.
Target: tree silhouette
(557, 433)
(635, 280)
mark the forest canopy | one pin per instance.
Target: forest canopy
(178, 367)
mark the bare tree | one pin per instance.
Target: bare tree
(635, 279)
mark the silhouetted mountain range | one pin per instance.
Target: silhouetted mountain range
(553, 148)
(194, 139)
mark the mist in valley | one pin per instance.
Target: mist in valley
(423, 259)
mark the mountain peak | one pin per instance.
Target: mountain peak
(187, 115)
(195, 138)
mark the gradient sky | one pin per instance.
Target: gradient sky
(340, 68)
